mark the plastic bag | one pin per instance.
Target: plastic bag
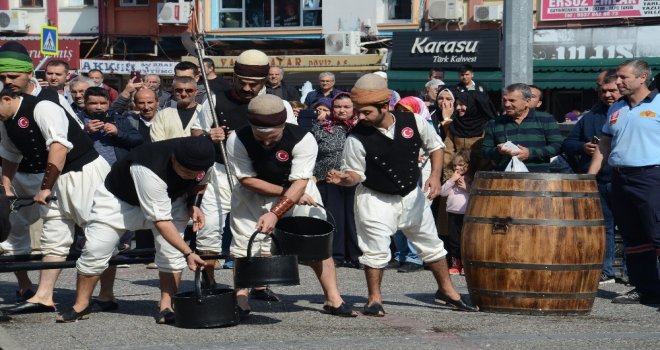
(516, 165)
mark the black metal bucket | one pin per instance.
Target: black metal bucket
(309, 238)
(256, 271)
(205, 308)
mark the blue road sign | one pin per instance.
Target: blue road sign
(48, 41)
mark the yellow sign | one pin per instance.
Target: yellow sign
(300, 63)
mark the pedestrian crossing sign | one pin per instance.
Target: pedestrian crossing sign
(48, 41)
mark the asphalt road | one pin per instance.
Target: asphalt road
(413, 321)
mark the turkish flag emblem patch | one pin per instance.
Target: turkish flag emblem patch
(200, 176)
(23, 122)
(282, 156)
(407, 133)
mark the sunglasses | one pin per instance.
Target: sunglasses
(188, 91)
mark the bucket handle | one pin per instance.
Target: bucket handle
(254, 235)
(198, 285)
(329, 215)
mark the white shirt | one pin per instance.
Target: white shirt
(152, 193)
(52, 122)
(354, 152)
(302, 165)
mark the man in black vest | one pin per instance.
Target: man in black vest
(250, 72)
(157, 186)
(381, 155)
(53, 142)
(274, 161)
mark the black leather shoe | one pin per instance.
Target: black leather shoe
(460, 304)
(165, 317)
(343, 310)
(22, 297)
(264, 294)
(375, 310)
(29, 308)
(72, 316)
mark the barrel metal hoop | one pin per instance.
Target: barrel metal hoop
(537, 312)
(538, 267)
(480, 192)
(533, 295)
(532, 176)
(511, 221)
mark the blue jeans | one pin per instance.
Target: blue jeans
(405, 252)
(605, 189)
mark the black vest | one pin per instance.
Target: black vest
(231, 113)
(26, 136)
(35, 162)
(391, 164)
(273, 165)
(157, 157)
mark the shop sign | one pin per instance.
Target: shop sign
(571, 10)
(67, 51)
(480, 49)
(125, 67)
(596, 43)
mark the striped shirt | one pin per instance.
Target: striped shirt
(540, 134)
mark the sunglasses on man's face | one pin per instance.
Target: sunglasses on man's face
(188, 91)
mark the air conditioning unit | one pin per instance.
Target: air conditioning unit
(342, 43)
(174, 12)
(13, 21)
(445, 9)
(483, 13)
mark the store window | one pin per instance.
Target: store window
(80, 3)
(32, 3)
(127, 3)
(269, 13)
(398, 10)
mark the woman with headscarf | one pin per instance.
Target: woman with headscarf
(330, 135)
(466, 131)
(444, 111)
(323, 108)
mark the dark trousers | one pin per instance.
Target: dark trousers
(453, 241)
(338, 201)
(636, 208)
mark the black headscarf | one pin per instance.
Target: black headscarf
(476, 115)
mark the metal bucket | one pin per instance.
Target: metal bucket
(205, 308)
(308, 238)
(256, 271)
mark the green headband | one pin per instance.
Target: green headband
(11, 61)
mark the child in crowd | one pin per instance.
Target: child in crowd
(457, 191)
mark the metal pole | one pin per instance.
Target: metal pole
(30, 266)
(518, 36)
(196, 38)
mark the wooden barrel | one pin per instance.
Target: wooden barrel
(533, 243)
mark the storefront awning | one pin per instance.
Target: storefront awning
(548, 74)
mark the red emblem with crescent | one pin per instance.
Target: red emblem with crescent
(23, 122)
(282, 156)
(200, 176)
(407, 132)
